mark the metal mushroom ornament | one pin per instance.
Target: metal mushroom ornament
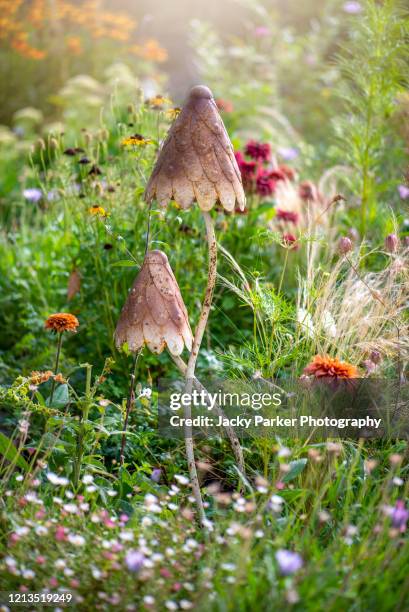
(154, 313)
(196, 164)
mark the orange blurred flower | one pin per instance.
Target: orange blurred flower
(324, 367)
(151, 51)
(74, 45)
(62, 321)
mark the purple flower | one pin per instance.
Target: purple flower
(289, 562)
(156, 474)
(403, 192)
(399, 515)
(52, 195)
(352, 7)
(288, 153)
(134, 560)
(33, 194)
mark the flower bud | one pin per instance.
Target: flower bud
(375, 356)
(344, 245)
(391, 243)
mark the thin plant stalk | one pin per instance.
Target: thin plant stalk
(57, 362)
(129, 403)
(191, 365)
(86, 405)
(231, 434)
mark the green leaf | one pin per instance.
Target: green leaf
(124, 263)
(296, 467)
(61, 397)
(9, 451)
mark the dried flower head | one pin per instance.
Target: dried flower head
(196, 162)
(62, 321)
(325, 367)
(154, 313)
(37, 378)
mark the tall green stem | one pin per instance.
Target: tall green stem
(57, 362)
(85, 405)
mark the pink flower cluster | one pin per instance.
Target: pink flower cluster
(257, 174)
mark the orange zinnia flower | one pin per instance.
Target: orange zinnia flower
(325, 367)
(62, 321)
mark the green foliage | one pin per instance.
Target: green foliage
(374, 66)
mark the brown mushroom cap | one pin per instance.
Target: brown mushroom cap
(196, 162)
(154, 312)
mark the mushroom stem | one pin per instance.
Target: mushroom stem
(231, 434)
(191, 365)
(211, 281)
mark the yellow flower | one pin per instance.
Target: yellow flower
(137, 140)
(158, 102)
(98, 210)
(172, 113)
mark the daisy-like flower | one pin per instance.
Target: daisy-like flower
(137, 140)
(61, 322)
(98, 211)
(172, 113)
(158, 102)
(329, 367)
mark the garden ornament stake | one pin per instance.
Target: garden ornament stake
(153, 314)
(197, 163)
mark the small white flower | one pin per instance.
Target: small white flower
(70, 508)
(126, 536)
(171, 605)
(146, 393)
(57, 480)
(22, 531)
(60, 564)
(149, 600)
(76, 540)
(20, 478)
(28, 574)
(182, 479)
(397, 481)
(10, 562)
(185, 604)
(88, 479)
